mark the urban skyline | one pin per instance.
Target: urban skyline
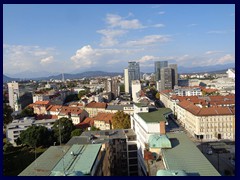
(72, 39)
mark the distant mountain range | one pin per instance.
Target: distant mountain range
(87, 74)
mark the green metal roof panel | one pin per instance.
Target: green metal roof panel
(155, 116)
(159, 141)
(186, 156)
(171, 173)
(79, 158)
(43, 165)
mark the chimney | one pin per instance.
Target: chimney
(162, 128)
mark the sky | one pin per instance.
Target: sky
(76, 38)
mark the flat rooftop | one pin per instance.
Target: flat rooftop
(184, 155)
(155, 116)
(78, 160)
(43, 165)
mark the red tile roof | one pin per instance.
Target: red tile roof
(107, 117)
(211, 111)
(94, 104)
(42, 102)
(88, 122)
(54, 108)
(65, 110)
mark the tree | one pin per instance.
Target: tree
(26, 112)
(62, 128)
(36, 136)
(76, 132)
(94, 128)
(81, 94)
(71, 97)
(7, 111)
(8, 147)
(121, 120)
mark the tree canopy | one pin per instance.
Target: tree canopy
(76, 132)
(81, 94)
(7, 111)
(121, 120)
(26, 112)
(63, 127)
(36, 136)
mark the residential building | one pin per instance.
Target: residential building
(158, 66)
(166, 78)
(13, 95)
(115, 87)
(145, 124)
(103, 121)
(231, 73)
(136, 88)
(126, 81)
(76, 114)
(17, 126)
(208, 124)
(187, 91)
(40, 107)
(108, 85)
(93, 108)
(120, 146)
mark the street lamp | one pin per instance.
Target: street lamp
(59, 129)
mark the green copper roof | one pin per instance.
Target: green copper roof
(155, 116)
(184, 155)
(171, 173)
(159, 141)
(79, 160)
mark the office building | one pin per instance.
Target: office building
(166, 78)
(174, 74)
(134, 71)
(158, 66)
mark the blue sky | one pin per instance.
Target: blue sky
(77, 38)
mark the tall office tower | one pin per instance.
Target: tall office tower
(136, 88)
(158, 66)
(134, 71)
(166, 78)
(115, 87)
(13, 93)
(175, 74)
(126, 81)
(108, 85)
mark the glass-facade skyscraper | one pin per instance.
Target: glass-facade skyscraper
(158, 66)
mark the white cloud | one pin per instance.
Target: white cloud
(18, 58)
(113, 62)
(114, 20)
(147, 58)
(228, 58)
(158, 25)
(109, 36)
(161, 12)
(47, 60)
(149, 40)
(212, 52)
(89, 57)
(85, 57)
